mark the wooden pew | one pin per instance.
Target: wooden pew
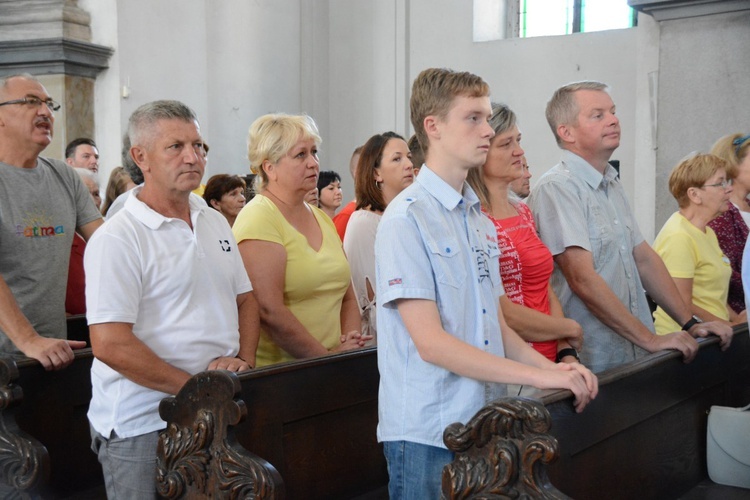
(643, 437)
(51, 407)
(315, 421)
(43, 424)
(645, 434)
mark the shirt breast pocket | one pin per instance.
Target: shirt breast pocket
(601, 235)
(448, 262)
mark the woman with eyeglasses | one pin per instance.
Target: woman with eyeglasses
(731, 227)
(689, 246)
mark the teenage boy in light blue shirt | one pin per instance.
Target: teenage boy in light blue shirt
(442, 355)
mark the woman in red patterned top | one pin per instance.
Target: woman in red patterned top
(530, 306)
(731, 227)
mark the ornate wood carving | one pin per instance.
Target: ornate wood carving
(501, 453)
(24, 461)
(198, 455)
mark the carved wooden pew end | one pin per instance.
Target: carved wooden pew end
(501, 453)
(198, 455)
(24, 461)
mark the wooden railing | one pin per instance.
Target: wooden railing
(314, 421)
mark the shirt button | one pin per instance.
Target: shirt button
(616, 221)
(623, 247)
(484, 311)
(447, 250)
(486, 342)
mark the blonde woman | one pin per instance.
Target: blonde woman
(291, 250)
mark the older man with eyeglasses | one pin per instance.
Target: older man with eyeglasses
(42, 203)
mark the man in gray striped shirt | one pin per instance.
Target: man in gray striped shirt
(602, 261)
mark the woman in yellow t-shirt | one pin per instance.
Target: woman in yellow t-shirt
(291, 250)
(689, 247)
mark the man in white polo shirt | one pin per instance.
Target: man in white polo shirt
(167, 297)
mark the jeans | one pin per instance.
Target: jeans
(129, 464)
(415, 470)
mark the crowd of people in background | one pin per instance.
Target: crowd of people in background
(438, 260)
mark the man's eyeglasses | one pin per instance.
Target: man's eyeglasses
(723, 184)
(34, 102)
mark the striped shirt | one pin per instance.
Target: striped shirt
(576, 206)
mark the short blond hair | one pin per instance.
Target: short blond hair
(693, 171)
(562, 108)
(725, 149)
(272, 136)
(433, 92)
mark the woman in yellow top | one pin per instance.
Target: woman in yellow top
(689, 247)
(291, 250)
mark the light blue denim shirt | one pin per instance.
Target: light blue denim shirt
(576, 206)
(434, 244)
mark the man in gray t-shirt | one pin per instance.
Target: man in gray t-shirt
(42, 203)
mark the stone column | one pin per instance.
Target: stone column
(51, 39)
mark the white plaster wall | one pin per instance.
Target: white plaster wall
(348, 63)
(373, 62)
(253, 68)
(108, 131)
(703, 90)
(524, 73)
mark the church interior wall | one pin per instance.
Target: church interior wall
(350, 64)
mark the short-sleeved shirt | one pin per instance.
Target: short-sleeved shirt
(359, 245)
(690, 253)
(525, 267)
(434, 243)
(574, 205)
(177, 286)
(341, 219)
(40, 209)
(315, 282)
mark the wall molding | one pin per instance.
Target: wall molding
(53, 56)
(665, 10)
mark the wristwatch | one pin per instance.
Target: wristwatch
(694, 320)
(568, 351)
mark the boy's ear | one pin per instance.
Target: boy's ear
(431, 127)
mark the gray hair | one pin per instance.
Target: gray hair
(87, 175)
(502, 119)
(147, 115)
(26, 76)
(563, 108)
(128, 163)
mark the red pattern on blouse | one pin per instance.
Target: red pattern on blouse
(525, 267)
(731, 231)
